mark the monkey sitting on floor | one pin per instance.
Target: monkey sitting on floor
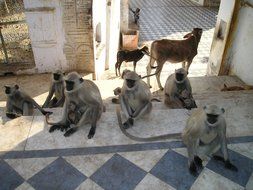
(178, 91)
(56, 89)
(83, 105)
(135, 98)
(204, 135)
(19, 103)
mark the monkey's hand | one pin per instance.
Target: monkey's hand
(128, 123)
(92, 132)
(54, 127)
(11, 115)
(230, 166)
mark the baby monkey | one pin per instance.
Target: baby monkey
(204, 135)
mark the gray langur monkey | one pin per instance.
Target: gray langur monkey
(178, 91)
(204, 135)
(56, 90)
(135, 98)
(19, 103)
(83, 105)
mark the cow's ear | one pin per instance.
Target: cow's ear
(187, 35)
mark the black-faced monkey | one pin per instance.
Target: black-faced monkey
(204, 135)
(19, 103)
(83, 105)
(56, 90)
(135, 98)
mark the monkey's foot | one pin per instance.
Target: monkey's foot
(198, 161)
(230, 166)
(92, 132)
(161, 88)
(219, 158)
(65, 128)
(70, 132)
(11, 115)
(115, 100)
(54, 127)
(193, 169)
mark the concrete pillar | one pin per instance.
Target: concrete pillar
(124, 9)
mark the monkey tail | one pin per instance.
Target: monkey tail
(155, 99)
(145, 139)
(48, 122)
(150, 75)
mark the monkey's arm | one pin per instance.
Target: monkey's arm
(223, 141)
(60, 102)
(9, 110)
(125, 106)
(142, 109)
(224, 149)
(49, 97)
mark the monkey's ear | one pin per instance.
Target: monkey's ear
(139, 76)
(223, 110)
(81, 79)
(225, 86)
(16, 86)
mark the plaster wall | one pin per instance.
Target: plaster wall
(61, 34)
(241, 51)
(99, 26)
(218, 45)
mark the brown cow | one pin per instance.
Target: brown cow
(174, 51)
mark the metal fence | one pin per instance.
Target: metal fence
(15, 44)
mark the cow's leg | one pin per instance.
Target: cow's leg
(151, 63)
(158, 72)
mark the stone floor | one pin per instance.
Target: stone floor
(32, 158)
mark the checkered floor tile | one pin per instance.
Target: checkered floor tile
(166, 169)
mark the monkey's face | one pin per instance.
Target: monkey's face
(180, 77)
(57, 76)
(212, 119)
(69, 85)
(130, 83)
(10, 89)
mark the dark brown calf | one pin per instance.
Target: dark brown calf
(128, 56)
(174, 51)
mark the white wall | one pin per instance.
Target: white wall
(46, 34)
(218, 45)
(99, 16)
(242, 50)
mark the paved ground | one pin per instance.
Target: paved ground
(33, 158)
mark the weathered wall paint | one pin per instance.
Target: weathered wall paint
(46, 33)
(218, 45)
(240, 55)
